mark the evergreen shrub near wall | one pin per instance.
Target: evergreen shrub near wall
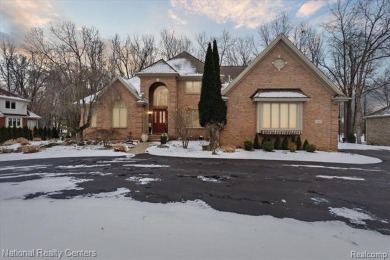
(7, 133)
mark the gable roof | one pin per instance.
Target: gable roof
(194, 62)
(159, 67)
(383, 112)
(9, 95)
(283, 39)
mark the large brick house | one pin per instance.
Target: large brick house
(280, 93)
(14, 113)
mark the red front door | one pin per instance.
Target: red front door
(160, 121)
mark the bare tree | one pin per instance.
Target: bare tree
(358, 41)
(133, 54)
(8, 55)
(183, 127)
(242, 52)
(172, 44)
(77, 56)
(269, 31)
(308, 41)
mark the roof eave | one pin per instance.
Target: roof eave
(284, 99)
(150, 74)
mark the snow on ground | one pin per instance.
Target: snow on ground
(333, 167)
(61, 151)
(188, 230)
(349, 146)
(142, 180)
(341, 177)
(354, 215)
(146, 165)
(195, 150)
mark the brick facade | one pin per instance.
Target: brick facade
(320, 111)
(104, 109)
(241, 120)
(377, 129)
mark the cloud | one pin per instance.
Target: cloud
(310, 8)
(20, 15)
(243, 13)
(177, 19)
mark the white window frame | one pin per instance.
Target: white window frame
(193, 87)
(119, 112)
(260, 115)
(10, 104)
(14, 121)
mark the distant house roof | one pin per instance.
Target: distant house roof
(9, 95)
(384, 112)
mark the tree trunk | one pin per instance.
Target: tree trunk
(359, 120)
(80, 136)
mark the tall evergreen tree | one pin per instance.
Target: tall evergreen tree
(212, 108)
(209, 82)
(216, 64)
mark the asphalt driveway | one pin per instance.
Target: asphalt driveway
(305, 191)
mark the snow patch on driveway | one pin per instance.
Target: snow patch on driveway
(142, 180)
(146, 165)
(354, 215)
(341, 177)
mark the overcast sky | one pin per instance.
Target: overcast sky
(240, 17)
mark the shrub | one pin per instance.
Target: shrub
(22, 140)
(228, 149)
(299, 143)
(30, 149)
(10, 142)
(351, 138)
(293, 139)
(311, 148)
(285, 143)
(278, 143)
(267, 146)
(256, 144)
(119, 148)
(292, 147)
(248, 145)
(305, 144)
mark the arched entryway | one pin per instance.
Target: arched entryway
(158, 100)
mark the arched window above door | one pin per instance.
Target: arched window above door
(160, 96)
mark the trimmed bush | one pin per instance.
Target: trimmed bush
(22, 140)
(278, 143)
(30, 149)
(119, 147)
(351, 138)
(248, 146)
(267, 146)
(305, 144)
(256, 144)
(285, 143)
(311, 148)
(292, 147)
(299, 143)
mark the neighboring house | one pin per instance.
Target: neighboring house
(13, 111)
(280, 93)
(378, 127)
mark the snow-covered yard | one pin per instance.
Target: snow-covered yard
(194, 150)
(112, 226)
(60, 151)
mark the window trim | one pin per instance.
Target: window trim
(192, 86)
(259, 117)
(121, 108)
(10, 104)
(17, 120)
